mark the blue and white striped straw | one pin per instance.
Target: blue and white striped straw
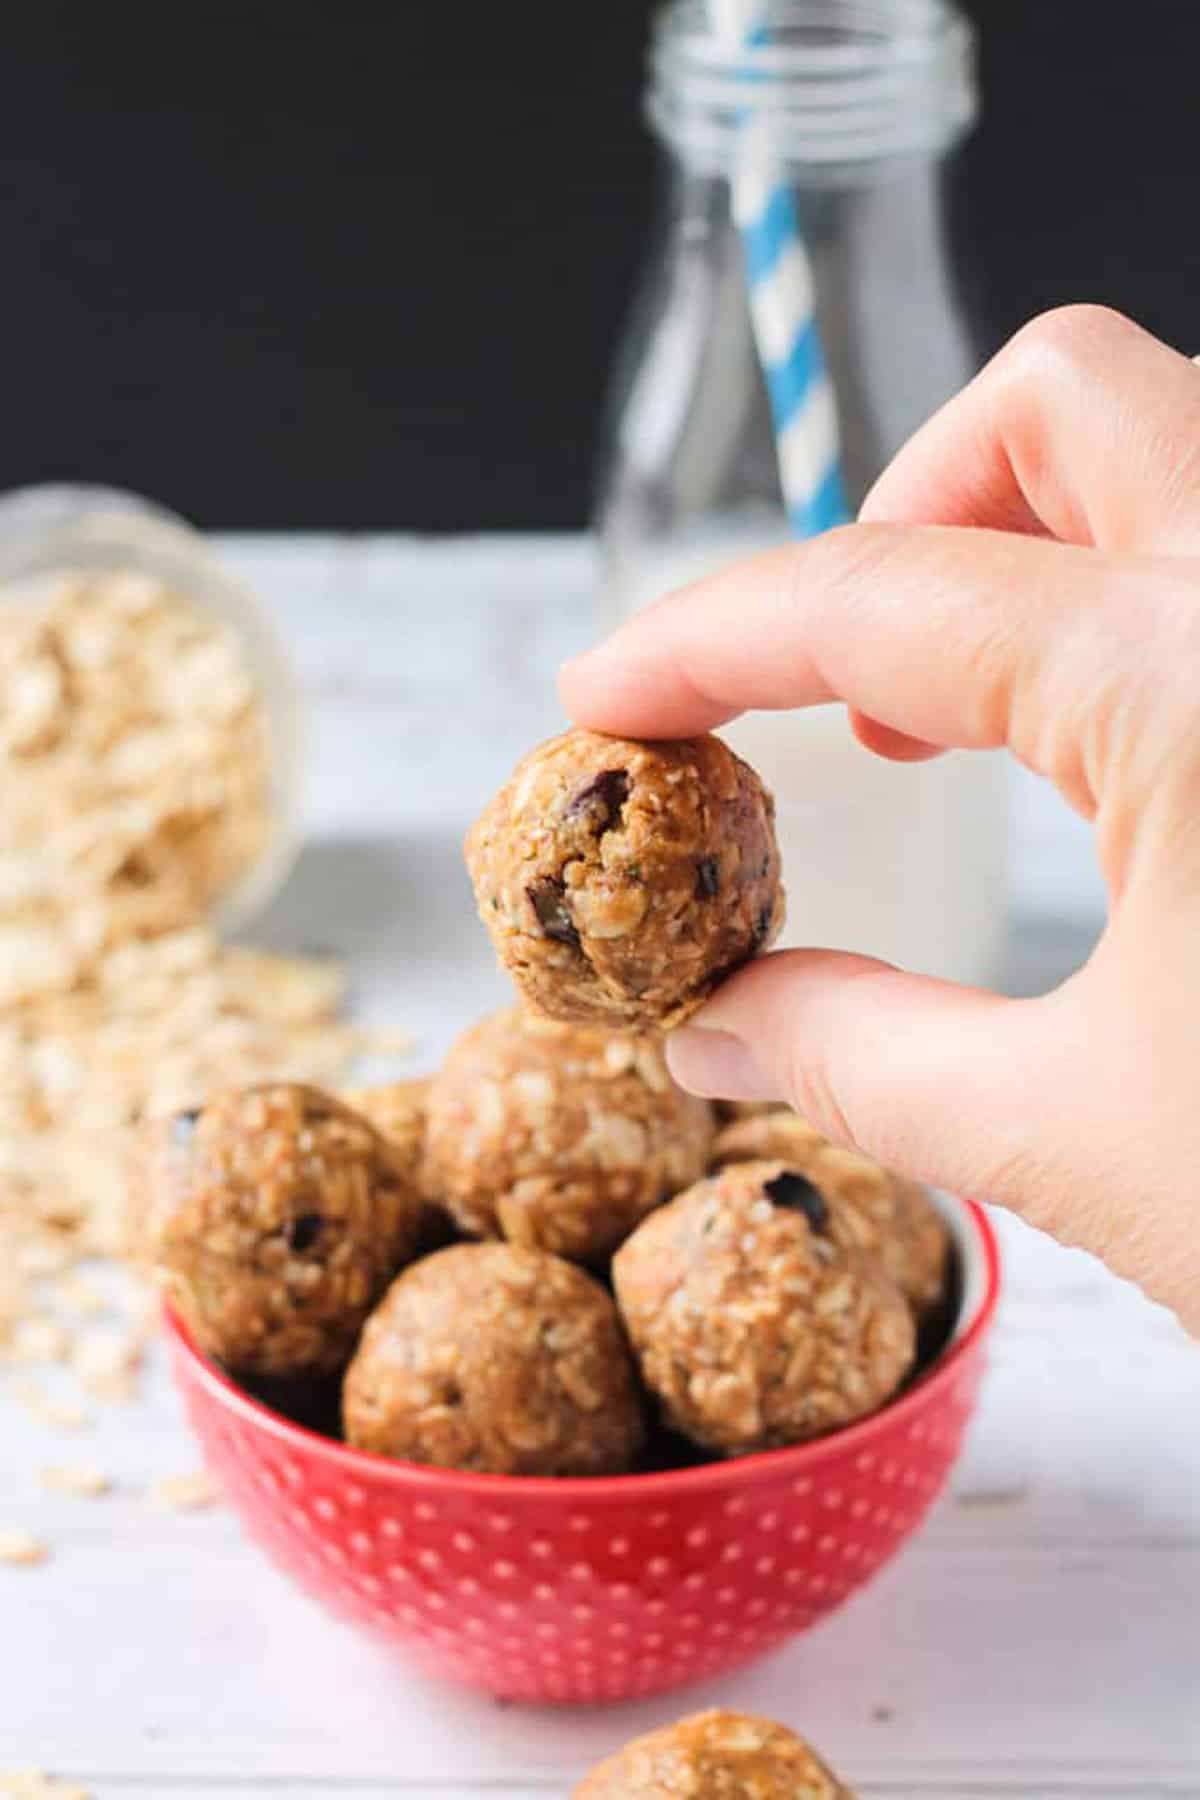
(783, 307)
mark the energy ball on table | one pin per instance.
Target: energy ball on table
(715, 1756)
(870, 1208)
(752, 1325)
(276, 1217)
(560, 1136)
(497, 1359)
(621, 882)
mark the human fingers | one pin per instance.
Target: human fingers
(952, 637)
(1084, 427)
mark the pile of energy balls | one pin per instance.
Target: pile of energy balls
(518, 1264)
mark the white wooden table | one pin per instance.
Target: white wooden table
(1041, 1638)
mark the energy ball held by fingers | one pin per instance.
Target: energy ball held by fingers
(621, 882)
(276, 1218)
(870, 1208)
(560, 1136)
(753, 1326)
(715, 1756)
(497, 1359)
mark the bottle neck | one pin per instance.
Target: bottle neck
(890, 321)
(837, 92)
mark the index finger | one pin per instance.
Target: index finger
(933, 631)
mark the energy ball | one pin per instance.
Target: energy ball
(560, 1137)
(775, 1136)
(752, 1325)
(498, 1359)
(870, 1208)
(715, 1756)
(621, 882)
(276, 1217)
(397, 1111)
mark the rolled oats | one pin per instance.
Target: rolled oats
(78, 1295)
(69, 1478)
(32, 1784)
(21, 1550)
(37, 1340)
(48, 1409)
(134, 791)
(108, 1366)
(195, 1492)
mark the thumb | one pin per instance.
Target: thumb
(950, 1085)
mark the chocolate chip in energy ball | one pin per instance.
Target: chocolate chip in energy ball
(708, 878)
(870, 1208)
(603, 800)
(548, 900)
(797, 1193)
(301, 1234)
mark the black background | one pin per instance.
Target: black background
(312, 266)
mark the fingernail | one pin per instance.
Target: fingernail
(717, 1065)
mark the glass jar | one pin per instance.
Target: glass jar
(859, 104)
(50, 532)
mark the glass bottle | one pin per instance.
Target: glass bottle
(51, 531)
(861, 103)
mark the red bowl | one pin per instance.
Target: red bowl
(600, 1589)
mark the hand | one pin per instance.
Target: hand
(1027, 574)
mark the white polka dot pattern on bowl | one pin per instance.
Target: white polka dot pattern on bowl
(636, 1591)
